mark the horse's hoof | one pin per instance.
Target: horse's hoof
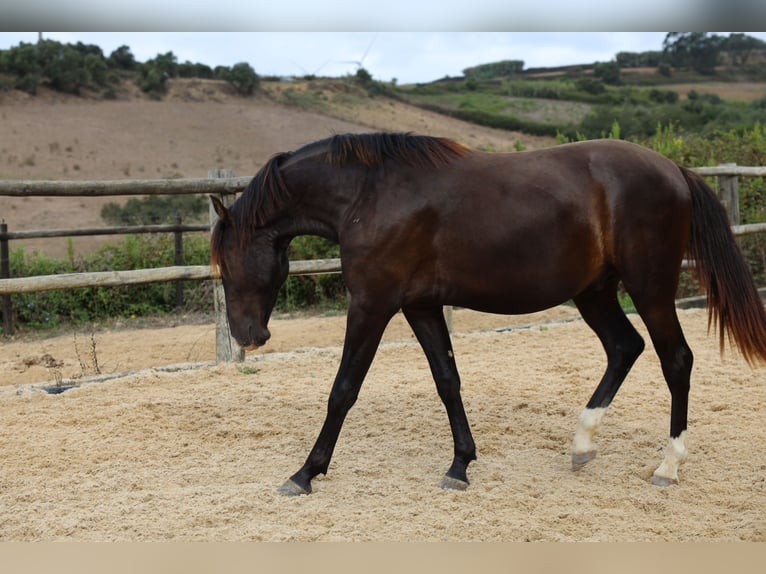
(657, 480)
(449, 483)
(291, 488)
(580, 459)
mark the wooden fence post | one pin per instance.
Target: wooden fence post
(179, 260)
(5, 273)
(226, 348)
(728, 191)
(447, 310)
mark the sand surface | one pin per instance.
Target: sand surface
(198, 454)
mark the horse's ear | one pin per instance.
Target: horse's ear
(220, 208)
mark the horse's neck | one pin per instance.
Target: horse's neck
(317, 207)
(297, 225)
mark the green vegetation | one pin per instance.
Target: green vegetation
(73, 68)
(495, 70)
(156, 209)
(609, 92)
(51, 309)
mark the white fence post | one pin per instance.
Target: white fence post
(226, 348)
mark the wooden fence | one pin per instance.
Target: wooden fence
(219, 182)
(223, 184)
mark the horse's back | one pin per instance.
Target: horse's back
(518, 232)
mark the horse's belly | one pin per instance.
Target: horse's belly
(511, 301)
(513, 287)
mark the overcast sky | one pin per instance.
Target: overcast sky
(410, 40)
(407, 56)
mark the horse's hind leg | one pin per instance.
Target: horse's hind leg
(432, 333)
(601, 310)
(676, 359)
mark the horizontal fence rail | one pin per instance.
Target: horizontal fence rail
(105, 188)
(122, 230)
(733, 170)
(140, 276)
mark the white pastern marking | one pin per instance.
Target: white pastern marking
(587, 426)
(675, 454)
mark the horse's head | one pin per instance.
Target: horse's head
(253, 266)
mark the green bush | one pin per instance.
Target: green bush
(50, 309)
(607, 72)
(155, 209)
(312, 290)
(243, 78)
(152, 82)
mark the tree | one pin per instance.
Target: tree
(363, 77)
(740, 47)
(504, 68)
(607, 72)
(648, 59)
(96, 69)
(166, 64)
(190, 70)
(63, 66)
(243, 77)
(696, 50)
(122, 58)
(22, 62)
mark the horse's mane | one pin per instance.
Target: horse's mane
(267, 191)
(372, 150)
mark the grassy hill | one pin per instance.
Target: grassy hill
(575, 102)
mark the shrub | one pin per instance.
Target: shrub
(155, 209)
(312, 290)
(152, 82)
(51, 308)
(607, 72)
(122, 58)
(243, 78)
(590, 85)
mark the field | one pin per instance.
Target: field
(198, 453)
(742, 91)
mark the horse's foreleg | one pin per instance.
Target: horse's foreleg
(431, 331)
(363, 334)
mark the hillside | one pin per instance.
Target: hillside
(199, 125)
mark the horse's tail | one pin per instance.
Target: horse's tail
(734, 305)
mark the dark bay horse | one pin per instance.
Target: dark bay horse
(424, 222)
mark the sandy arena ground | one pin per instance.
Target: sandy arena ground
(199, 454)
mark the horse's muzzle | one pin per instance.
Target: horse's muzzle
(255, 339)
